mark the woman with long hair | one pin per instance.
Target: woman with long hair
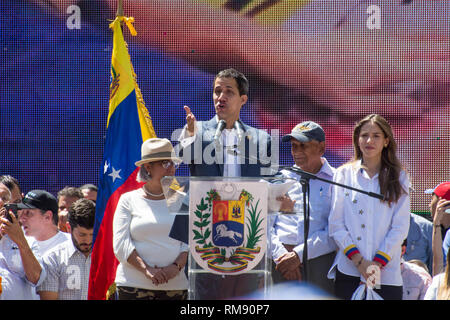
(368, 231)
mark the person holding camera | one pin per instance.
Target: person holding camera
(440, 202)
(21, 267)
(38, 214)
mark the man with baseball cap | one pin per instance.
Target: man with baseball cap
(21, 267)
(440, 202)
(38, 214)
(307, 148)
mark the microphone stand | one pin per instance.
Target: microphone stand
(305, 177)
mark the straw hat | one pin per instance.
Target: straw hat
(156, 149)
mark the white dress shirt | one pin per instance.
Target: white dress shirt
(67, 272)
(229, 142)
(289, 229)
(360, 223)
(15, 285)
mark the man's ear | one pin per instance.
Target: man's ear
(322, 146)
(244, 99)
(49, 215)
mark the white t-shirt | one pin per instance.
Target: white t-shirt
(46, 245)
(145, 225)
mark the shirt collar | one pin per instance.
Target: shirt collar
(234, 127)
(358, 167)
(71, 247)
(72, 250)
(326, 169)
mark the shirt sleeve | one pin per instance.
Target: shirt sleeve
(426, 282)
(51, 282)
(398, 230)
(35, 249)
(336, 221)
(122, 242)
(319, 244)
(190, 147)
(277, 247)
(185, 139)
(184, 247)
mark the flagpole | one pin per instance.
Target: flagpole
(119, 11)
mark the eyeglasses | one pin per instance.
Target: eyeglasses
(166, 164)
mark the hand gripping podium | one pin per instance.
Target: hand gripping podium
(226, 222)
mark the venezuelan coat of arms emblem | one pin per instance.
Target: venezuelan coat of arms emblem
(228, 230)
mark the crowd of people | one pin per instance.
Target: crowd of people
(353, 238)
(46, 242)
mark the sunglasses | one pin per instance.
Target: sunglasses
(166, 164)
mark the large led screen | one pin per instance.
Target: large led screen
(332, 62)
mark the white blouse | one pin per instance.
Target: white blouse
(360, 223)
(144, 225)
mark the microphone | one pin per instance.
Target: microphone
(239, 131)
(222, 124)
(307, 176)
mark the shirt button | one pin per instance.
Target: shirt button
(363, 226)
(361, 211)
(359, 238)
(355, 201)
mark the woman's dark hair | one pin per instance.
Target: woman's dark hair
(389, 175)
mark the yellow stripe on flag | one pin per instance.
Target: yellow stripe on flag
(124, 78)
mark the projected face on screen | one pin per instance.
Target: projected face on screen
(332, 62)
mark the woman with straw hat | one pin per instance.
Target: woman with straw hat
(151, 262)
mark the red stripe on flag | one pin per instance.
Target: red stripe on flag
(103, 260)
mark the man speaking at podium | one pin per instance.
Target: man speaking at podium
(225, 147)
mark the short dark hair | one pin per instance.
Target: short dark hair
(240, 78)
(10, 182)
(71, 192)
(82, 214)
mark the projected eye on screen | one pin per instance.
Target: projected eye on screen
(332, 62)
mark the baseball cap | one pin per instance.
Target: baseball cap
(39, 199)
(441, 190)
(305, 132)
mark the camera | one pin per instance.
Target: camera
(11, 207)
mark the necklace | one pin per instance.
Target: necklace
(152, 194)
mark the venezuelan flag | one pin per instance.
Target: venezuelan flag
(128, 125)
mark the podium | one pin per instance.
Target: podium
(227, 221)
